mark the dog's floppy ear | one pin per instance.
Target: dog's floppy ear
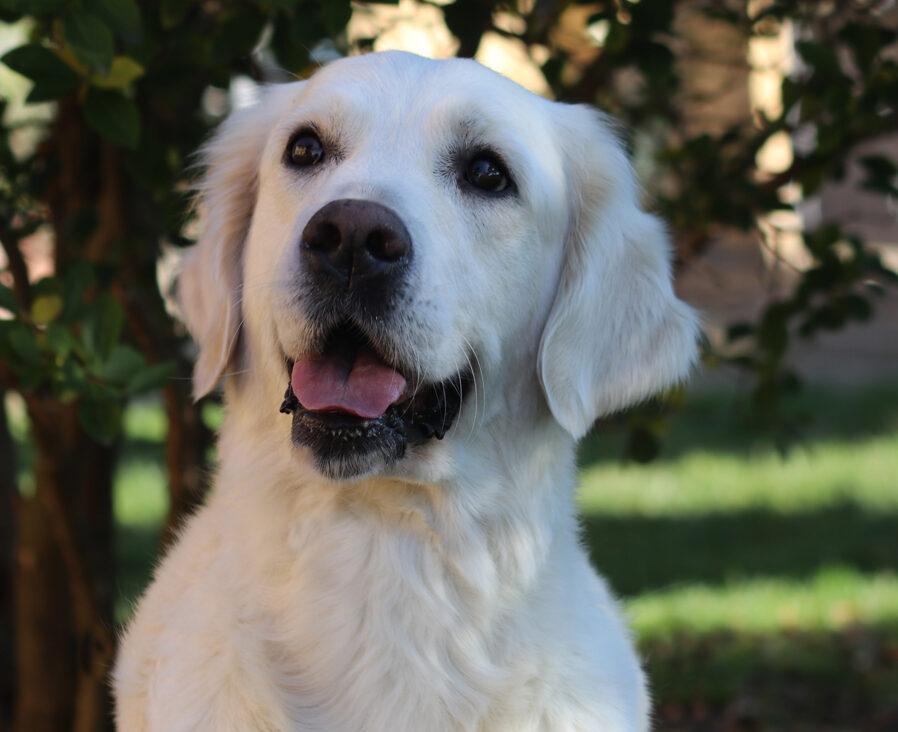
(209, 284)
(616, 333)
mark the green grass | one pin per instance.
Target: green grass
(762, 585)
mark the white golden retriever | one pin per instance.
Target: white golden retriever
(453, 279)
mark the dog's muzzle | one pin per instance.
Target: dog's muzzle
(352, 406)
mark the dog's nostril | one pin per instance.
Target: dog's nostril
(324, 237)
(385, 245)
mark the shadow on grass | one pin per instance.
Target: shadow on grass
(639, 553)
(794, 681)
(136, 550)
(139, 448)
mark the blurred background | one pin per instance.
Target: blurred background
(749, 521)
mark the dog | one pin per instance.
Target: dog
(422, 285)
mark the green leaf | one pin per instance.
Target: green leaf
(33, 8)
(102, 420)
(121, 366)
(791, 93)
(60, 340)
(8, 300)
(172, 12)
(78, 278)
(24, 345)
(821, 57)
(335, 15)
(149, 378)
(879, 165)
(102, 326)
(90, 38)
(49, 285)
(238, 35)
(866, 42)
(46, 309)
(123, 71)
(71, 381)
(52, 77)
(739, 330)
(857, 307)
(291, 51)
(113, 116)
(122, 16)
(882, 174)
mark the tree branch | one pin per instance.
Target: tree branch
(17, 265)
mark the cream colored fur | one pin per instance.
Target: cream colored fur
(448, 591)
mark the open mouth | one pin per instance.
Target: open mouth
(353, 408)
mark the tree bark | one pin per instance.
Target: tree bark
(7, 495)
(64, 557)
(64, 581)
(45, 648)
(185, 448)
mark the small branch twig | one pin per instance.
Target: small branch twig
(17, 265)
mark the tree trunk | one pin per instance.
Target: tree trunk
(7, 496)
(186, 444)
(45, 648)
(64, 558)
(64, 581)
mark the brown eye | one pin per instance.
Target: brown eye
(485, 173)
(305, 149)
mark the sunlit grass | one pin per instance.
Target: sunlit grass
(145, 420)
(830, 600)
(140, 495)
(807, 477)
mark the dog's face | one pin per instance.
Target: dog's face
(400, 243)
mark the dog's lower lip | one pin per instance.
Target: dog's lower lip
(338, 419)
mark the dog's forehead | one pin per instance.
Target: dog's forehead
(391, 86)
(402, 75)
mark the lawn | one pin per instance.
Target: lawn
(762, 585)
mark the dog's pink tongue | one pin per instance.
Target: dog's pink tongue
(365, 387)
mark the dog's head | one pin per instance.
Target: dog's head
(403, 244)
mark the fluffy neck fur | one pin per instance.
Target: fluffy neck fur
(385, 575)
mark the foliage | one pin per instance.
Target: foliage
(133, 87)
(70, 343)
(138, 72)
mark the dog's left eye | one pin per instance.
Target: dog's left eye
(305, 149)
(486, 173)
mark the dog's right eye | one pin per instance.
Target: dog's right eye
(305, 149)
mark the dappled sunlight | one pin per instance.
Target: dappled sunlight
(825, 473)
(761, 583)
(715, 520)
(831, 599)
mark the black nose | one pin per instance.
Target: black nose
(357, 243)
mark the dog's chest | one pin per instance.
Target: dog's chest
(371, 628)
